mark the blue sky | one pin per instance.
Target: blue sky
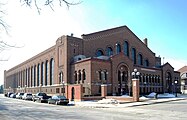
(163, 22)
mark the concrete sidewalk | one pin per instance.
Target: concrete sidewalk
(114, 104)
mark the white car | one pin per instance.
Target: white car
(27, 96)
(19, 95)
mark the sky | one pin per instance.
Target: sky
(162, 22)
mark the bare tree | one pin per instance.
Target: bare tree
(49, 3)
(37, 4)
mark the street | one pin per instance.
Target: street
(15, 109)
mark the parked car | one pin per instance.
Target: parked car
(27, 96)
(19, 95)
(13, 95)
(41, 97)
(58, 100)
(9, 93)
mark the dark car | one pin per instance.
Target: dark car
(41, 97)
(58, 100)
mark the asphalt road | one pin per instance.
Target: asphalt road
(14, 109)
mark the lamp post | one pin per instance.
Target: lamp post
(135, 85)
(62, 90)
(176, 88)
(135, 74)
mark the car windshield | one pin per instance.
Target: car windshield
(29, 94)
(61, 97)
(21, 93)
(42, 94)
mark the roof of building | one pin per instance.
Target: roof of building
(183, 69)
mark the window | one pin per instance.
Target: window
(146, 63)
(109, 51)
(79, 73)
(52, 71)
(57, 90)
(140, 59)
(75, 76)
(31, 76)
(134, 55)
(34, 75)
(46, 72)
(83, 74)
(126, 48)
(42, 73)
(38, 75)
(99, 53)
(118, 48)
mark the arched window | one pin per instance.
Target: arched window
(118, 48)
(38, 75)
(51, 71)
(42, 73)
(140, 62)
(134, 55)
(46, 72)
(29, 77)
(34, 75)
(146, 63)
(75, 76)
(109, 51)
(99, 53)
(60, 77)
(126, 48)
(79, 73)
(83, 74)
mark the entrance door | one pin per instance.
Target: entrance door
(123, 80)
(72, 93)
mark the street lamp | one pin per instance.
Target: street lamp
(62, 90)
(135, 74)
(176, 88)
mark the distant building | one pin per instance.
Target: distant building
(1, 89)
(183, 76)
(77, 67)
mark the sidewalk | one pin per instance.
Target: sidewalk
(111, 103)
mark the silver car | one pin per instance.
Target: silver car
(27, 96)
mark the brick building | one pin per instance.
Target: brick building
(78, 67)
(183, 76)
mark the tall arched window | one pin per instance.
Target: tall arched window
(109, 51)
(38, 75)
(46, 72)
(126, 48)
(51, 71)
(118, 48)
(34, 75)
(42, 73)
(75, 76)
(99, 53)
(146, 63)
(31, 76)
(83, 74)
(79, 74)
(134, 55)
(140, 62)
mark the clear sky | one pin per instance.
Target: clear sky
(163, 22)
